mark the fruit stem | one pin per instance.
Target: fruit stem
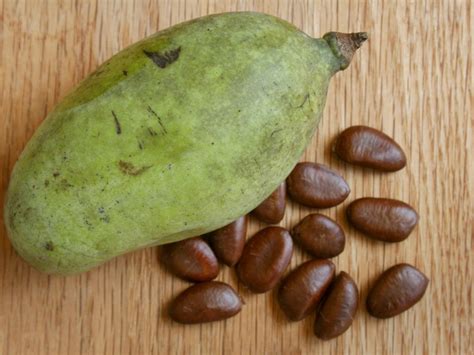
(344, 45)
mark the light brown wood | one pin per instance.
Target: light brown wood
(413, 80)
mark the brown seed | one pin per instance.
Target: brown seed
(315, 185)
(272, 209)
(396, 290)
(264, 260)
(338, 309)
(191, 259)
(228, 242)
(370, 148)
(304, 287)
(320, 236)
(382, 218)
(205, 302)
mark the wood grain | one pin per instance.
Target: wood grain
(413, 80)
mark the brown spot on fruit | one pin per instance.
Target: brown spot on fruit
(151, 111)
(162, 60)
(65, 184)
(118, 128)
(130, 169)
(49, 246)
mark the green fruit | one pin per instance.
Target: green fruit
(175, 136)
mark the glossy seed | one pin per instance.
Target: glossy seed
(205, 302)
(315, 185)
(370, 148)
(190, 259)
(320, 236)
(272, 209)
(302, 290)
(265, 257)
(396, 290)
(228, 242)
(338, 309)
(382, 218)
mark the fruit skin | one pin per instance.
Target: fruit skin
(176, 135)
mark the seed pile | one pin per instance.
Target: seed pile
(314, 287)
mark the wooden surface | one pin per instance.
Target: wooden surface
(413, 80)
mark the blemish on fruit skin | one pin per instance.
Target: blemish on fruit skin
(55, 174)
(163, 60)
(150, 110)
(124, 72)
(130, 169)
(65, 184)
(276, 131)
(103, 215)
(306, 97)
(118, 128)
(89, 224)
(49, 246)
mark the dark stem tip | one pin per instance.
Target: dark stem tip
(359, 38)
(344, 45)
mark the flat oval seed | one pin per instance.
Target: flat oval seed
(382, 218)
(396, 290)
(272, 209)
(228, 242)
(320, 236)
(370, 148)
(190, 259)
(315, 185)
(265, 257)
(205, 302)
(337, 312)
(303, 288)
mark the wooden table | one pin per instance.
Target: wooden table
(413, 80)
